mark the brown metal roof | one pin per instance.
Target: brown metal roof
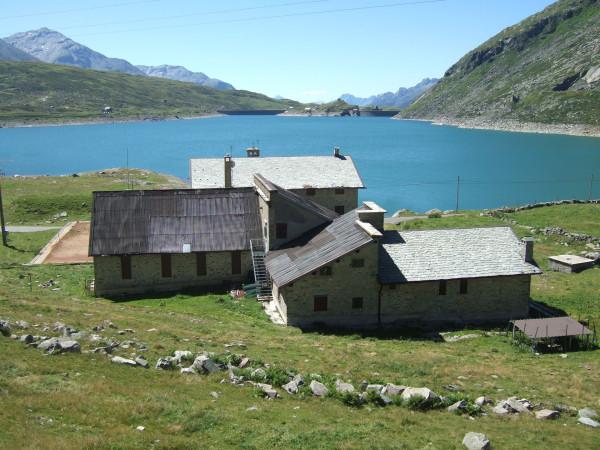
(141, 222)
(339, 238)
(551, 327)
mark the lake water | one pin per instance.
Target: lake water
(404, 164)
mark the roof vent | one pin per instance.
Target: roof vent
(336, 152)
(253, 152)
(228, 163)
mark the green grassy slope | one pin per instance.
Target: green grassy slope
(531, 72)
(50, 92)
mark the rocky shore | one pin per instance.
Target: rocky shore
(515, 126)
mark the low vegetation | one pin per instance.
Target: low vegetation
(85, 401)
(38, 92)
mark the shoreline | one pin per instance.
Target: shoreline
(514, 126)
(104, 121)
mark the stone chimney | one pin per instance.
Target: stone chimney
(336, 152)
(528, 250)
(372, 213)
(253, 152)
(228, 163)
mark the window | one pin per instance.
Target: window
(281, 231)
(339, 209)
(358, 262)
(200, 264)
(311, 192)
(326, 271)
(392, 286)
(320, 303)
(339, 191)
(126, 267)
(443, 286)
(357, 303)
(165, 265)
(463, 286)
(236, 263)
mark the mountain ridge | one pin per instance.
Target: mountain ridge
(180, 73)
(402, 98)
(11, 53)
(543, 69)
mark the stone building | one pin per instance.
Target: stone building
(248, 220)
(331, 181)
(168, 240)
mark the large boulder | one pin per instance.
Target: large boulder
(48, 345)
(476, 441)
(291, 387)
(69, 345)
(587, 412)
(425, 393)
(318, 389)
(343, 388)
(204, 364)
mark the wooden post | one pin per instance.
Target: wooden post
(2, 224)
(457, 192)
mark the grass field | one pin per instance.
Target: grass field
(85, 401)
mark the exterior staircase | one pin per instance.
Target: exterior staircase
(261, 276)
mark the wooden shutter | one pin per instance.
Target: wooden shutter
(464, 286)
(281, 231)
(200, 264)
(320, 303)
(236, 263)
(165, 265)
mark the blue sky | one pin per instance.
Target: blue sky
(292, 48)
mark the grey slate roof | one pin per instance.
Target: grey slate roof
(408, 256)
(339, 238)
(141, 222)
(289, 172)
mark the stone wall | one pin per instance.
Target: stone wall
(146, 273)
(492, 299)
(329, 199)
(296, 301)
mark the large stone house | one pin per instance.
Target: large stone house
(313, 264)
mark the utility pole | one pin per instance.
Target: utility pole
(457, 192)
(127, 164)
(2, 224)
(591, 187)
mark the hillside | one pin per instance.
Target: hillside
(48, 92)
(180, 73)
(545, 69)
(402, 98)
(11, 53)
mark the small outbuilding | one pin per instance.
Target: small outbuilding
(570, 263)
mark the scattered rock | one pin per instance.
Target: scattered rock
(512, 405)
(480, 401)
(459, 406)
(214, 394)
(452, 387)
(21, 324)
(547, 414)
(425, 393)
(259, 373)
(5, 328)
(182, 355)
(125, 361)
(461, 337)
(69, 346)
(298, 379)
(374, 388)
(476, 441)
(318, 389)
(434, 213)
(140, 428)
(268, 390)
(291, 387)
(587, 412)
(589, 422)
(392, 390)
(165, 363)
(252, 408)
(26, 338)
(244, 362)
(203, 363)
(343, 388)
(188, 371)
(142, 362)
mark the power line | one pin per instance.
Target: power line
(278, 16)
(205, 13)
(90, 8)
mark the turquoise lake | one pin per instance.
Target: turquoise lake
(404, 164)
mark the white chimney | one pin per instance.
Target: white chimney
(228, 162)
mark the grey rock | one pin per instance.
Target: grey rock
(244, 362)
(142, 362)
(589, 422)
(425, 393)
(385, 399)
(214, 394)
(21, 324)
(5, 328)
(343, 388)
(374, 388)
(259, 373)
(298, 379)
(204, 364)
(182, 355)
(165, 363)
(291, 387)
(587, 412)
(547, 414)
(392, 390)
(188, 371)
(520, 406)
(26, 338)
(460, 405)
(69, 346)
(476, 441)
(124, 361)
(481, 401)
(318, 389)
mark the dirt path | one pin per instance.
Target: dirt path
(73, 247)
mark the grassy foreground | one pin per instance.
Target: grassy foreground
(85, 401)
